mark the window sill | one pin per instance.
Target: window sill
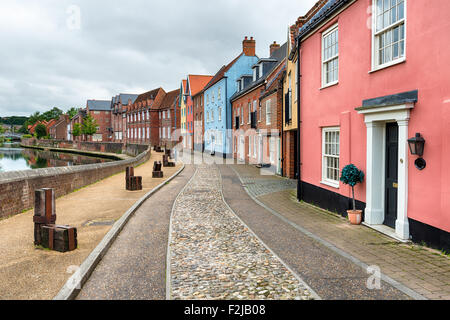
(330, 184)
(329, 85)
(387, 65)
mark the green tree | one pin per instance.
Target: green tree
(54, 113)
(76, 132)
(72, 112)
(351, 175)
(41, 131)
(89, 126)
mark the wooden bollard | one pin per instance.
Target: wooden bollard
(129, 172)
(59, 238)
(157, 173)
(44, 211)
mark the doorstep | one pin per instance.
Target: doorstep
(388, 231)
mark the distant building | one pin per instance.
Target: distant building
(100, 110)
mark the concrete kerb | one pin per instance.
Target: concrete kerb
(408, 291)
(74, 284)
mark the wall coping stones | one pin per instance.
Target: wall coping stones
(13, 176)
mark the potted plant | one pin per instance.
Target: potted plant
(351, 175)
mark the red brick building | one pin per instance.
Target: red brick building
(100, 110)
(60, 129)
(119, 106)
(169, 119)
(143, 118)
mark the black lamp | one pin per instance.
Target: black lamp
(416, 146)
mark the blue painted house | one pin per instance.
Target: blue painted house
(217, 94)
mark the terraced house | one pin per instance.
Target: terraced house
(143, 117)
(169, 117)
(257, 111)
(119, 106)
(368, 90)
(194, 85)
(100, 110)
(183, 108)
(218, 113)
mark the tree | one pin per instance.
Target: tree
(89, 126)
(54, 113)
(41, 131)
(76, 132)
(72, 112)
(351, 175)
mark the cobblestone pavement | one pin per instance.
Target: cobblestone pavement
(213, 255)
(424, 270)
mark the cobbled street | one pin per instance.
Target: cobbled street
(213, 255)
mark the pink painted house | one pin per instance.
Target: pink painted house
(373, 74)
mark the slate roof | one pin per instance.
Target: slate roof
(278, 56)
(99, 105)
(221, 73)
(328, 9)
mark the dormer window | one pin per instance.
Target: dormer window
(260, 70)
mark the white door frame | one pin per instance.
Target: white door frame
(376, 119)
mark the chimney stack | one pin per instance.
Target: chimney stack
(249, 47)
(273, 47)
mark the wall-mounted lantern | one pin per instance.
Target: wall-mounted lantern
(416, 146)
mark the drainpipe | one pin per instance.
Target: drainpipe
(282, 120)
(299, 176)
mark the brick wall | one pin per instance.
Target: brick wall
(17, 187)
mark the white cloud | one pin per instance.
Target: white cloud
(124, 46)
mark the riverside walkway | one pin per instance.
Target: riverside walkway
(27, 272)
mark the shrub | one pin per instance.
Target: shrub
(351, 175)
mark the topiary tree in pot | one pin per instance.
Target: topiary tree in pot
(351, 175)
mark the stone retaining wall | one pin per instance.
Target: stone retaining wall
(17, 187)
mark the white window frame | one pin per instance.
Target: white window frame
(329, 31)
(268, 112)
(218, 94)
(249, 113)
(242, 115)
(325, 179)
(376, 35)
(220, 114)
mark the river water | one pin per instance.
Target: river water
(13, 158)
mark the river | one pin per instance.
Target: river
(13, 158)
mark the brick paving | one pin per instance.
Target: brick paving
(424, 270)
(214, 256)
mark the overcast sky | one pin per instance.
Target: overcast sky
(50, 58)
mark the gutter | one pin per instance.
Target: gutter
(325, 15)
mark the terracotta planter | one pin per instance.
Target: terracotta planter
(355, 217)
